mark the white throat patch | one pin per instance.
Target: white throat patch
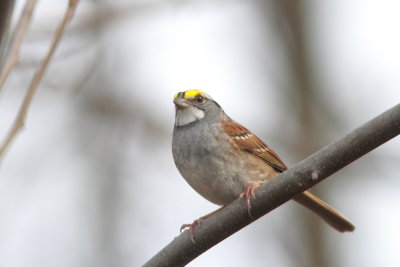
(188, 115)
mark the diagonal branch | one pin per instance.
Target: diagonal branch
(23, 111)
(295, 180)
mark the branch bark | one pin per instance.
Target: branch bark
(295, 180)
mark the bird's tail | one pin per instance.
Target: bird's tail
(326, 212)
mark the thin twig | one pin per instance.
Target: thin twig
(290, 183)
(20, 119)
(20, 32)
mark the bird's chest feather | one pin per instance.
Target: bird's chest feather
(209, 165)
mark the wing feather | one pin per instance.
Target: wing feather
(249, 142)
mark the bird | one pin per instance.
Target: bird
(224, 161)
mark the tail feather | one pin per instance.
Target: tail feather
(326, 212)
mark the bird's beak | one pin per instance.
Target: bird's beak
(181, 103)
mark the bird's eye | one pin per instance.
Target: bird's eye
(200, 99)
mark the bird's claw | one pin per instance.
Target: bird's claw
(247, 194)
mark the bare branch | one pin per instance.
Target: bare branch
(20, 32)
(295, 180)
(20, 119)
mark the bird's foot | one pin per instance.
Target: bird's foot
(247, 194)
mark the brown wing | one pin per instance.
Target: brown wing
(249, 142)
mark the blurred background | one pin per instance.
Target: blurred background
(90, 181)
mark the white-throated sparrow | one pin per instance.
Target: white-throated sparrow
(223, 161)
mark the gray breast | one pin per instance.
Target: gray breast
(205, 161)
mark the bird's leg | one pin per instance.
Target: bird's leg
(197, 222)
(248, 193)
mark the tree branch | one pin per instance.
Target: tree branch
(37, 77)
(295, 180)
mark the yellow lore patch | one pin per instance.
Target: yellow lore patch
(190, 94)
